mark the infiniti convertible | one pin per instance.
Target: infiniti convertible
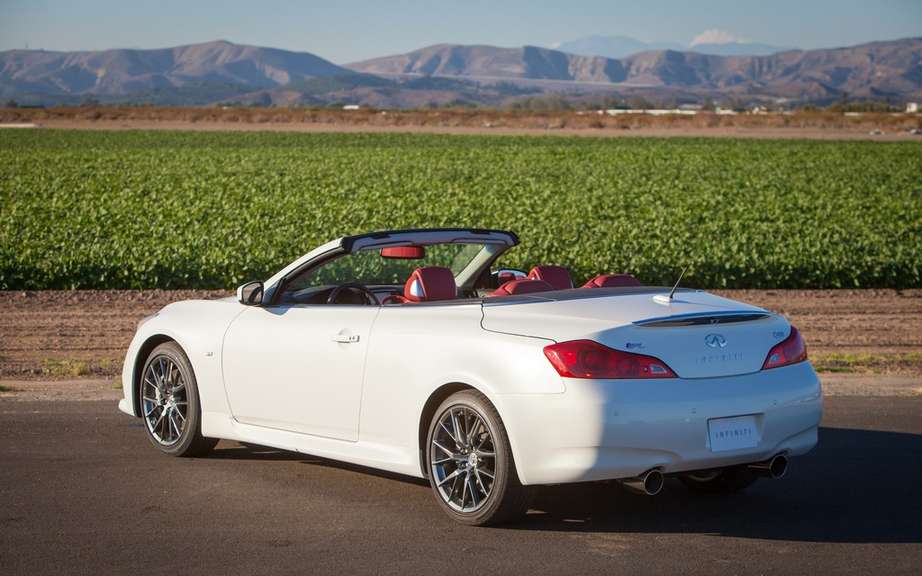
(417, 352)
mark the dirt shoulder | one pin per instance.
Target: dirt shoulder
(60, 334)
(78, 390)
(549, 128)
(817, 124)
(861, 341)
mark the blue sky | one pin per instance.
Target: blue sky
(348, 30)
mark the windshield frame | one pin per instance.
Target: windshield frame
(491, 250)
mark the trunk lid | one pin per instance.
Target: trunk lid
(699, 335)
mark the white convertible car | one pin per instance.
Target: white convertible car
(411, 351)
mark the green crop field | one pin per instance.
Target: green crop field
(196, 209)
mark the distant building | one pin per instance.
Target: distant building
(351, 107)
(912, 108)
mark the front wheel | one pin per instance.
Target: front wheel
(470, 463)
(170, 403)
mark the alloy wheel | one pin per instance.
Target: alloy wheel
(463, 459)
(165, 400)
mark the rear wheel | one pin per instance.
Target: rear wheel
(724, 481)
(170, 403)
(470, 463)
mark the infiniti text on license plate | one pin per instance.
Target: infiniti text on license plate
(733, 433)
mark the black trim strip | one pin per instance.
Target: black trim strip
(348, 241)
(704, 319)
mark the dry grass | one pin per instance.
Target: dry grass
(895, 363)
(66, 367)
(456, 118)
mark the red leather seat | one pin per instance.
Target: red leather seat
(523, 286)
(556, 276)
(612, 281)
(430, 283)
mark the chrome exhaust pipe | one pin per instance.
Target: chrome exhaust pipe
(648, 484)
(776, 467)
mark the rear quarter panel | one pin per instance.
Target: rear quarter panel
(416, 349)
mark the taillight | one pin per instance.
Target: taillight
(588, 359)
(791, 350)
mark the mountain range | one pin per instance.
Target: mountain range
(876, 70)
(223, 72)
(213, 69)
(623, 46)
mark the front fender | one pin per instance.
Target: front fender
(198, 326)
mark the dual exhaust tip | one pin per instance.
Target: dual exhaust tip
(775, 467)
(650, 483)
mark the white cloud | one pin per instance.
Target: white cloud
(556, 45)
(716, 36)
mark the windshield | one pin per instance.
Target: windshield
(368, 267)
(383, 275)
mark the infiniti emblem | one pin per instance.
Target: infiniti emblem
(715, 341)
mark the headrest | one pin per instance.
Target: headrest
(430, 283)
(556, 276)
(523, 286)
(612, 281)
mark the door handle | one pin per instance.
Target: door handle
(345, 338)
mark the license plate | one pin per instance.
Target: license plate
(733, 433)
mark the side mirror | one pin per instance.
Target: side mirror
(250, 294)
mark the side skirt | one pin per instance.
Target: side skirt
(381, 457)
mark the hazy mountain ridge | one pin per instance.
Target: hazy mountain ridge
(527, 62)
(224, 72)
(121, 72)
(737, 49)
(869, 70)
(623, 46)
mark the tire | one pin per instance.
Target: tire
(499, 500)
(726, 481)
(170, 406)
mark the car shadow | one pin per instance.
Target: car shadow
(856, 486)
(230, 450)
(246, 451)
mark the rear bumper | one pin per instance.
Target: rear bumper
(606, 429)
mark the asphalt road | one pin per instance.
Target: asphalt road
(82, 491)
